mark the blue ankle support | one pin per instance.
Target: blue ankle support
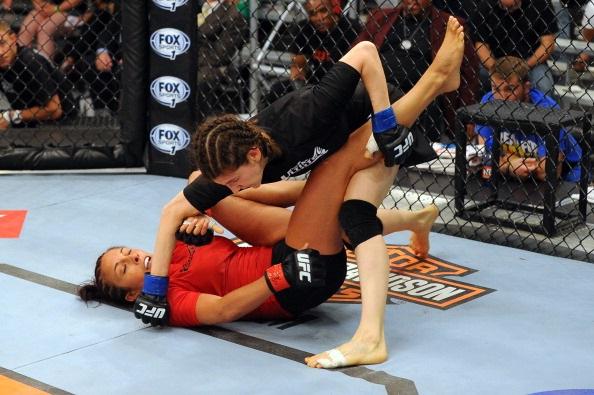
(383, 120)
(155, 285)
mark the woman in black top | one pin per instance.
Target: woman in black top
(293, 136)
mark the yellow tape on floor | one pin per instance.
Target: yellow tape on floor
(13, 387)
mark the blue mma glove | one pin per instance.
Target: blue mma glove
(151, 306)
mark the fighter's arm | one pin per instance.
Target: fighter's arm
(152, 306)
(300, 269)
(213, 309)
(278, 194)
(172, 216)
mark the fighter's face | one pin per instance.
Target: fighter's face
(125, 267)
(248, 175)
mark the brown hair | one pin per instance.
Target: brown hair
(222, 143)
(97, 290)
(510, 66)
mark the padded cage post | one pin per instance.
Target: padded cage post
(172, 85)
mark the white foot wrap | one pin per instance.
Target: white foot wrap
(335, 359)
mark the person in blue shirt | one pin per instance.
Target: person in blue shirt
(523, 154)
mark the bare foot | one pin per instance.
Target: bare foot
(354, 352)
(419, 241)
(448, 59)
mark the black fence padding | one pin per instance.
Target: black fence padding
(85, 143)
(511, 114)
(135, 74)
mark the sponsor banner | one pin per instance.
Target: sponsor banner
(169, 138)
(415, 280)
(172, 81)
(11, 223)
(169, 43)
(170, 5)
(170, 91)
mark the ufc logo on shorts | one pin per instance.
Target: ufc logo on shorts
(402, 148)
(303, 263)
(156, 312)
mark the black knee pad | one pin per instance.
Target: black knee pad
(359, 221)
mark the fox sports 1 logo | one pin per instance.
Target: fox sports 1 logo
(169, 43)
(169, 138)
(170, 91)
(169, 5)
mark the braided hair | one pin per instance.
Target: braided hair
(99, 291)
(221, 143)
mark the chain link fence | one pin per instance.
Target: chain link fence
(60, 94)
(516, 175)
(492, 180)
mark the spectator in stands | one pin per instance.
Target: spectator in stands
(222, 32)
(408, 38)
(47, 19)
(461, 8)
(94, 59)
(322, 40)
(316, 45)
(298, 75)
(523, 154)
(521, 28)
(587, 31)
(32, 86)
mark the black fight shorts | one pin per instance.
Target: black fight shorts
(298, 300)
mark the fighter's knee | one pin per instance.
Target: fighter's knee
(366, 47)
(359, 221)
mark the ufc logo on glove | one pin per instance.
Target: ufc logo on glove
(155, 312)
(404, 147)
(303, 263)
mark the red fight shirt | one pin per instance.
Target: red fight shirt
(217, 268)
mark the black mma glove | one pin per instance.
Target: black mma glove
(197, 240)
(394, 141)
(302, 269)
(151, 306)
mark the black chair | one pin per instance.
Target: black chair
(531, 119)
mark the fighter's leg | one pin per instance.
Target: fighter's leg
(418, 222)
(255, 215)
(368, 344)
(443, 75)
(371, 185)
(315, 218)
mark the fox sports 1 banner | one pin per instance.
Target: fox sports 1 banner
(172, 79)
